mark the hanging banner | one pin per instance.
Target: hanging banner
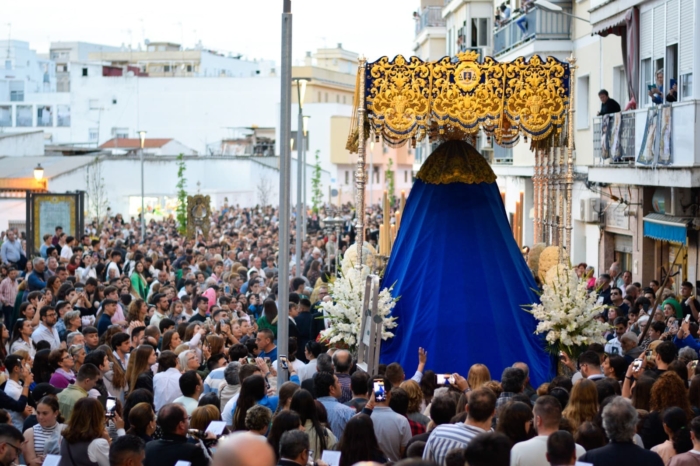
(650, 143)
(665, 142)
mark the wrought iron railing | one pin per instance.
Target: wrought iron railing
(430, 17)
(626, 139)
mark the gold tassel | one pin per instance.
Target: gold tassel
(353, 138)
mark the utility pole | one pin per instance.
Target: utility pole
(285, 185)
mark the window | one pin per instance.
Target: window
(17, 91)
(85, 71)
(5, 116)
(8, 64)
(344, 97)
(326, 97)
(24, 116)
(93, 134)
(44, 116)
(646, 75)
(319, 96)
(337, 98)
(376, 175)
(583, 99)
(480, 31)
(94, 104)
(686, 89)
(347, 177)
(189, 69)
(405, 176)
(114, 101)
(120, 133)
(166, 68)
(619, 90)
(63, 115)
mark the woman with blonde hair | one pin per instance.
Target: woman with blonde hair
(583, 404)
(415, 401)
(478, 375)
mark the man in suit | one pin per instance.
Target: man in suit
(620, 422)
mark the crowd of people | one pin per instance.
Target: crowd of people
(122, 350)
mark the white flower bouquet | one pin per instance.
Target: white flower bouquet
(344, 310)
(567, 313)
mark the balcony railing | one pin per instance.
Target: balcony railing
(430, 17)
(502, 155)
(536, 24)
(627, 139)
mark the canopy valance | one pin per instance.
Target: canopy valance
(455, 97)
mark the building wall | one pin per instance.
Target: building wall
(21, 145)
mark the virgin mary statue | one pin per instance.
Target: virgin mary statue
(462, 281)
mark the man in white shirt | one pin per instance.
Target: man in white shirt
(166, 383)
(547, 414)
(312, 350)
(67, 250)
(614, 346)
(161, 310)
(191, 387)
(14, 365)
(480, 412)
(47, 328)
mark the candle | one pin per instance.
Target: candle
(403, 200)
(382, 237)
(393, 234)
(398, 220)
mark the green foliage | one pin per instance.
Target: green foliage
(181, 195)
(316, 193)
(390, 182)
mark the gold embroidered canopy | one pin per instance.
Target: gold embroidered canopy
(454, 98)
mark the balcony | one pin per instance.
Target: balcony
(430, 17)
(627, 139)
(536, 24)
(684, 167)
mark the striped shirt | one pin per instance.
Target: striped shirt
(42, 434)
(448, 437)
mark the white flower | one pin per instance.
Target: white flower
(567, 313)
(345, 309)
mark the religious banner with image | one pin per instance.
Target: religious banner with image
(665, 141)
(650, 141)
(614, 134)
(46, 211)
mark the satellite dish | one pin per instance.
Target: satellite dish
(334, 192)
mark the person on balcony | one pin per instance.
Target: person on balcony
(505, 14)
(656, 90)
(608, 105)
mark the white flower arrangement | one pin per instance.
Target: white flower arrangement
(344, 310)
(567, 313)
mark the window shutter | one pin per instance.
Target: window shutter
(659, 33)
(686, 36)
(645, 33)
(671, 22)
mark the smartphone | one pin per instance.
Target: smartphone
(687, 318)
(443, 379)
(283, 362)
(251, 360)
(227, 289)
(637, 364)
(650, 354)
(110, 406)
(379, 392)
(79, 290)
(268, 361)
(694, 364)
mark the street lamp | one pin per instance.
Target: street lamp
(142, 138)
(301, 93)
(554, 8)
(38, 172)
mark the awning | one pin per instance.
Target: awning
(613, 25)
(666, 228)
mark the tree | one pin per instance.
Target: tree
(391, 186)
(316, 193)
(181, 195)
(98, 201)
(264, 191)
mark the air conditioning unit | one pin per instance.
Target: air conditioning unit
(589, 211)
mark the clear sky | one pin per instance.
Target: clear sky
(252, 28)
